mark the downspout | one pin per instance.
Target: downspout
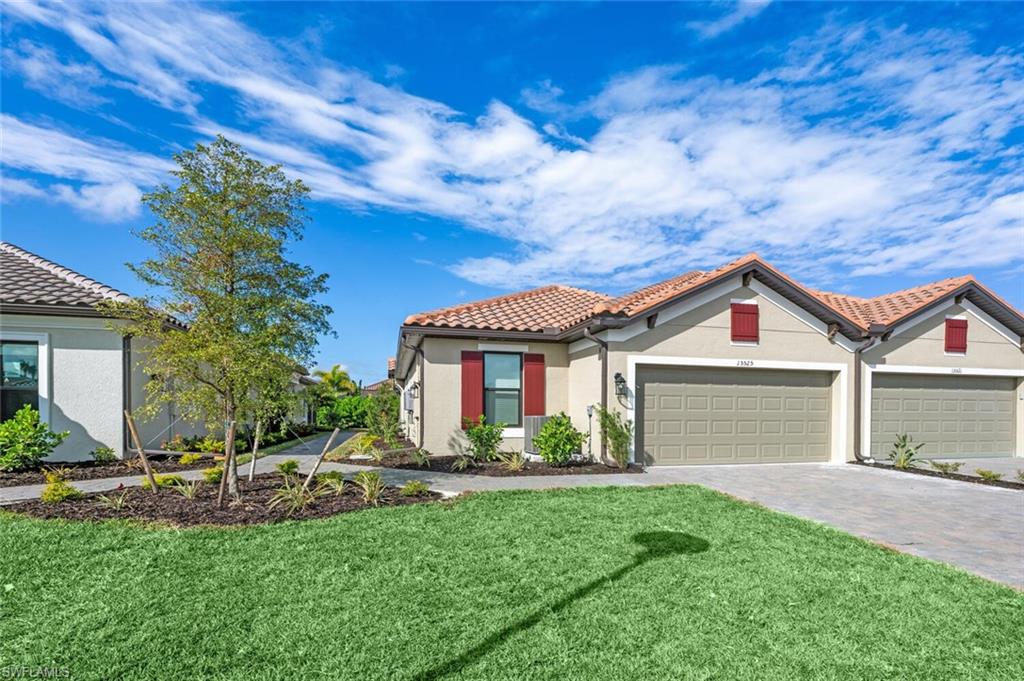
(604, 381)
(418, 351)
(876, 338)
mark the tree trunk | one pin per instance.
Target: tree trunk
(231, 462)
(320, 459)
(255, 449)
(142, 451)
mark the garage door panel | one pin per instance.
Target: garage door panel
(975, 414)
(733, 416)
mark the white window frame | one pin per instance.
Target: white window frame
(42, 341)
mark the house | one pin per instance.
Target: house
(60, 355)
(372, 388)
(740, 364)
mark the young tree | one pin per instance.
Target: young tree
(220, 267)
(335, 383)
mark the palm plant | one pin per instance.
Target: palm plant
(335, 383)
(904, 452)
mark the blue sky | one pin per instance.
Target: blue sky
(456, 151)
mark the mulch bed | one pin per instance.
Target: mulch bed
(90, 470)
(494, 468)
(1008, 484)
(170, 507)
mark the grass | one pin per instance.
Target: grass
(611, 583)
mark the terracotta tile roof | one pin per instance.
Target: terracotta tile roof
(555, 306)
(890, 307)
(26, 278)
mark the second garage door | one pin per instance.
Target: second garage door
(955, 416)
(695, 415)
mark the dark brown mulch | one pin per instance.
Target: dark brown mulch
(1009, 484)
(495, 469)
(170, 507)
(90, 470)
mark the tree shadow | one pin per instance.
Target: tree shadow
(659, 544)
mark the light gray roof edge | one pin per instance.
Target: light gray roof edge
(65, 273)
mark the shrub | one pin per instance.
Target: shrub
(616, 433)
(947, 467)
(377, 455)
(347, 413)
(371, 484)
(420, 457)
(331, 485)
(484, 438)
(329, 475)
(56, 473)
(288, 467)
(175, 444)
(293, 496)
(213, 474)
(187, 489)
(461, 463)
(189, 459)
(985, 474)
(904, 452)
(558, 440)
(103, 454)
(382, 416)
(59, 490)
(24, 441)
(414, 488)
(113, 502)
(165, 480)
(211, 445)
(512, 461)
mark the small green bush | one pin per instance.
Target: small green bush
(213, 474)
(904, 452)
(414, 488)
(293, 496)
(329, 475)
(165, 480)
(383, 416)
(188, 489)
(947, 467)
(558, 440)
(103, 454)
(986, 474)
(56, 473)
(484, 438)
(113, 502)
(288, 467)
(420, 457)
(331, 485)
(347, 413)
(211, 445)
(57, 491)
(189, 459)
(371, 484)
(25, 441)
(616, 433)
(512, 461)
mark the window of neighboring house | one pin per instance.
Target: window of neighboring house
(19, 376)
(956, 335)
(503, 383)
(745, 325)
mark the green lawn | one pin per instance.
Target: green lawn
(610, 583)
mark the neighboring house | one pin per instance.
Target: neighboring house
(61, 356)
(372, 388)
(740, 364)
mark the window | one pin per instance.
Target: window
(19, 376)
(744, 323)
(503, 381)
(956, 335)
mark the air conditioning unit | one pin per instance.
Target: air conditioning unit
(531, 428)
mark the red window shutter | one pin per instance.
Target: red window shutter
(472, 386)
(956, 335)
(533, 385)
(745, 322)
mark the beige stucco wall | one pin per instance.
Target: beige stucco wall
(442, 378)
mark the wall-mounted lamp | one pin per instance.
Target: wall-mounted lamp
(620, 384)
(413, 390)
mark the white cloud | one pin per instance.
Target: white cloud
(742, 11)
(115, 201)
(42, 70)
(865, 145)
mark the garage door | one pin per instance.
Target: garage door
(961, 416)
(698, 415)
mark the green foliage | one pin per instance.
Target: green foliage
(371, 485)
(288, 467)
(376, 455)
(330, 475)
(335, 383)
(187, 488)
(213, 474)
(414, 488)
(484, 438)
(346, 413)
(331, 485)
(59, 490)
(293, 496)
(211, 445)
(558, 440)
(24, 440)
(462, 462)
(988, 475)
(165, 480)
(103, 454)
(420, 457)
(904, 452)
(947, 467)
(222, 232)
(189, 459)
(114, 502)
(382, 418)
(616, 433)
(512, 461)
(56, 473)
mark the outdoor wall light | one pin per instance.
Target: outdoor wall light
(620, 384)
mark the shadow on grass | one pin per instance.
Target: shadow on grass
(655, 545)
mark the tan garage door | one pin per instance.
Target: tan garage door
(698, 415)
(960, 416)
